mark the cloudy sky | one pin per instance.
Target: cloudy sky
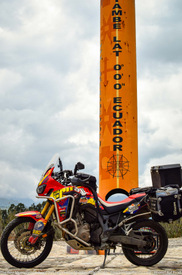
(49, 87)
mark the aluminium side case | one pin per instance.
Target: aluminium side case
(163, 175)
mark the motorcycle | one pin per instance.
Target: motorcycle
(86, 221)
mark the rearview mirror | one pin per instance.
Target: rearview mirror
(60, 165)
(78, 166)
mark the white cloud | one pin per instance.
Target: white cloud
(160, 119)
(49, 86)
(17, 182)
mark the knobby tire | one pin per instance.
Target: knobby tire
(133, 255)
(18, 262)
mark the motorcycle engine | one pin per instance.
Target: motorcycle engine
(83, 228)
(84, 232)
(89, 229)
(90, 216)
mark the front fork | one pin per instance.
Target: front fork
(41, 223)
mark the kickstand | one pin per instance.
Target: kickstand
(105, 256)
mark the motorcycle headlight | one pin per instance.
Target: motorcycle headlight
(41, 188)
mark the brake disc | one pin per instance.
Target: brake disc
(21, 242)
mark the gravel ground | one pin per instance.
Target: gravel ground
(60, 262)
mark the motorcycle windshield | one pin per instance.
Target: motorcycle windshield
(51, 164)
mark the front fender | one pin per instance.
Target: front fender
(36, 215)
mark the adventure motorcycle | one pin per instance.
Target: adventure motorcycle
(87, 222)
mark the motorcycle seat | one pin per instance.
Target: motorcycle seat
(112, 207)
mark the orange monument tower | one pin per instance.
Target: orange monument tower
(118, 97)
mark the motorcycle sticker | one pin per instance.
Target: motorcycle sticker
(59, 193)
(91, 201)
(85, 200)
(38, 227)
(28, 213)
(80, 190)
(45, 178)
(132, 209)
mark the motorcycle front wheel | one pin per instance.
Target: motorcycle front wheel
(156, 244)
(15, 247)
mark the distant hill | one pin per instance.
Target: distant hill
(6, 202)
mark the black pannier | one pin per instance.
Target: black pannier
(166, 175)
(165, 204)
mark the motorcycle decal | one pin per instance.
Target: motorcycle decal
(38, 216)
(80, 190)
(132, 209)
(28, 213)
(62, 208)
(101, 206)
(38, 227)
(63, 211)
(45, 178)
(63, 203)
(59, 193)
(37, 230)
(91, 201)
(85, 200)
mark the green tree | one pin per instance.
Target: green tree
(37, 207)
(12, 208)
(1, 223)
(20, 208)
(4, 218)
(4, 215)
(7, 215)
(32, 207)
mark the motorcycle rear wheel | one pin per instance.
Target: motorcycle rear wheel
(157, 244)
(15, 247)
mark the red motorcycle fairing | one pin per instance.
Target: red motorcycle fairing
(37, 227)
(61, 195)
(51, 185)
(36, 215)
(64, 195)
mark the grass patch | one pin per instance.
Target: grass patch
(174, 230)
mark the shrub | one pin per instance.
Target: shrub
(174, 230)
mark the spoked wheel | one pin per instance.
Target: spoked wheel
(15, 246)
(156, 244)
